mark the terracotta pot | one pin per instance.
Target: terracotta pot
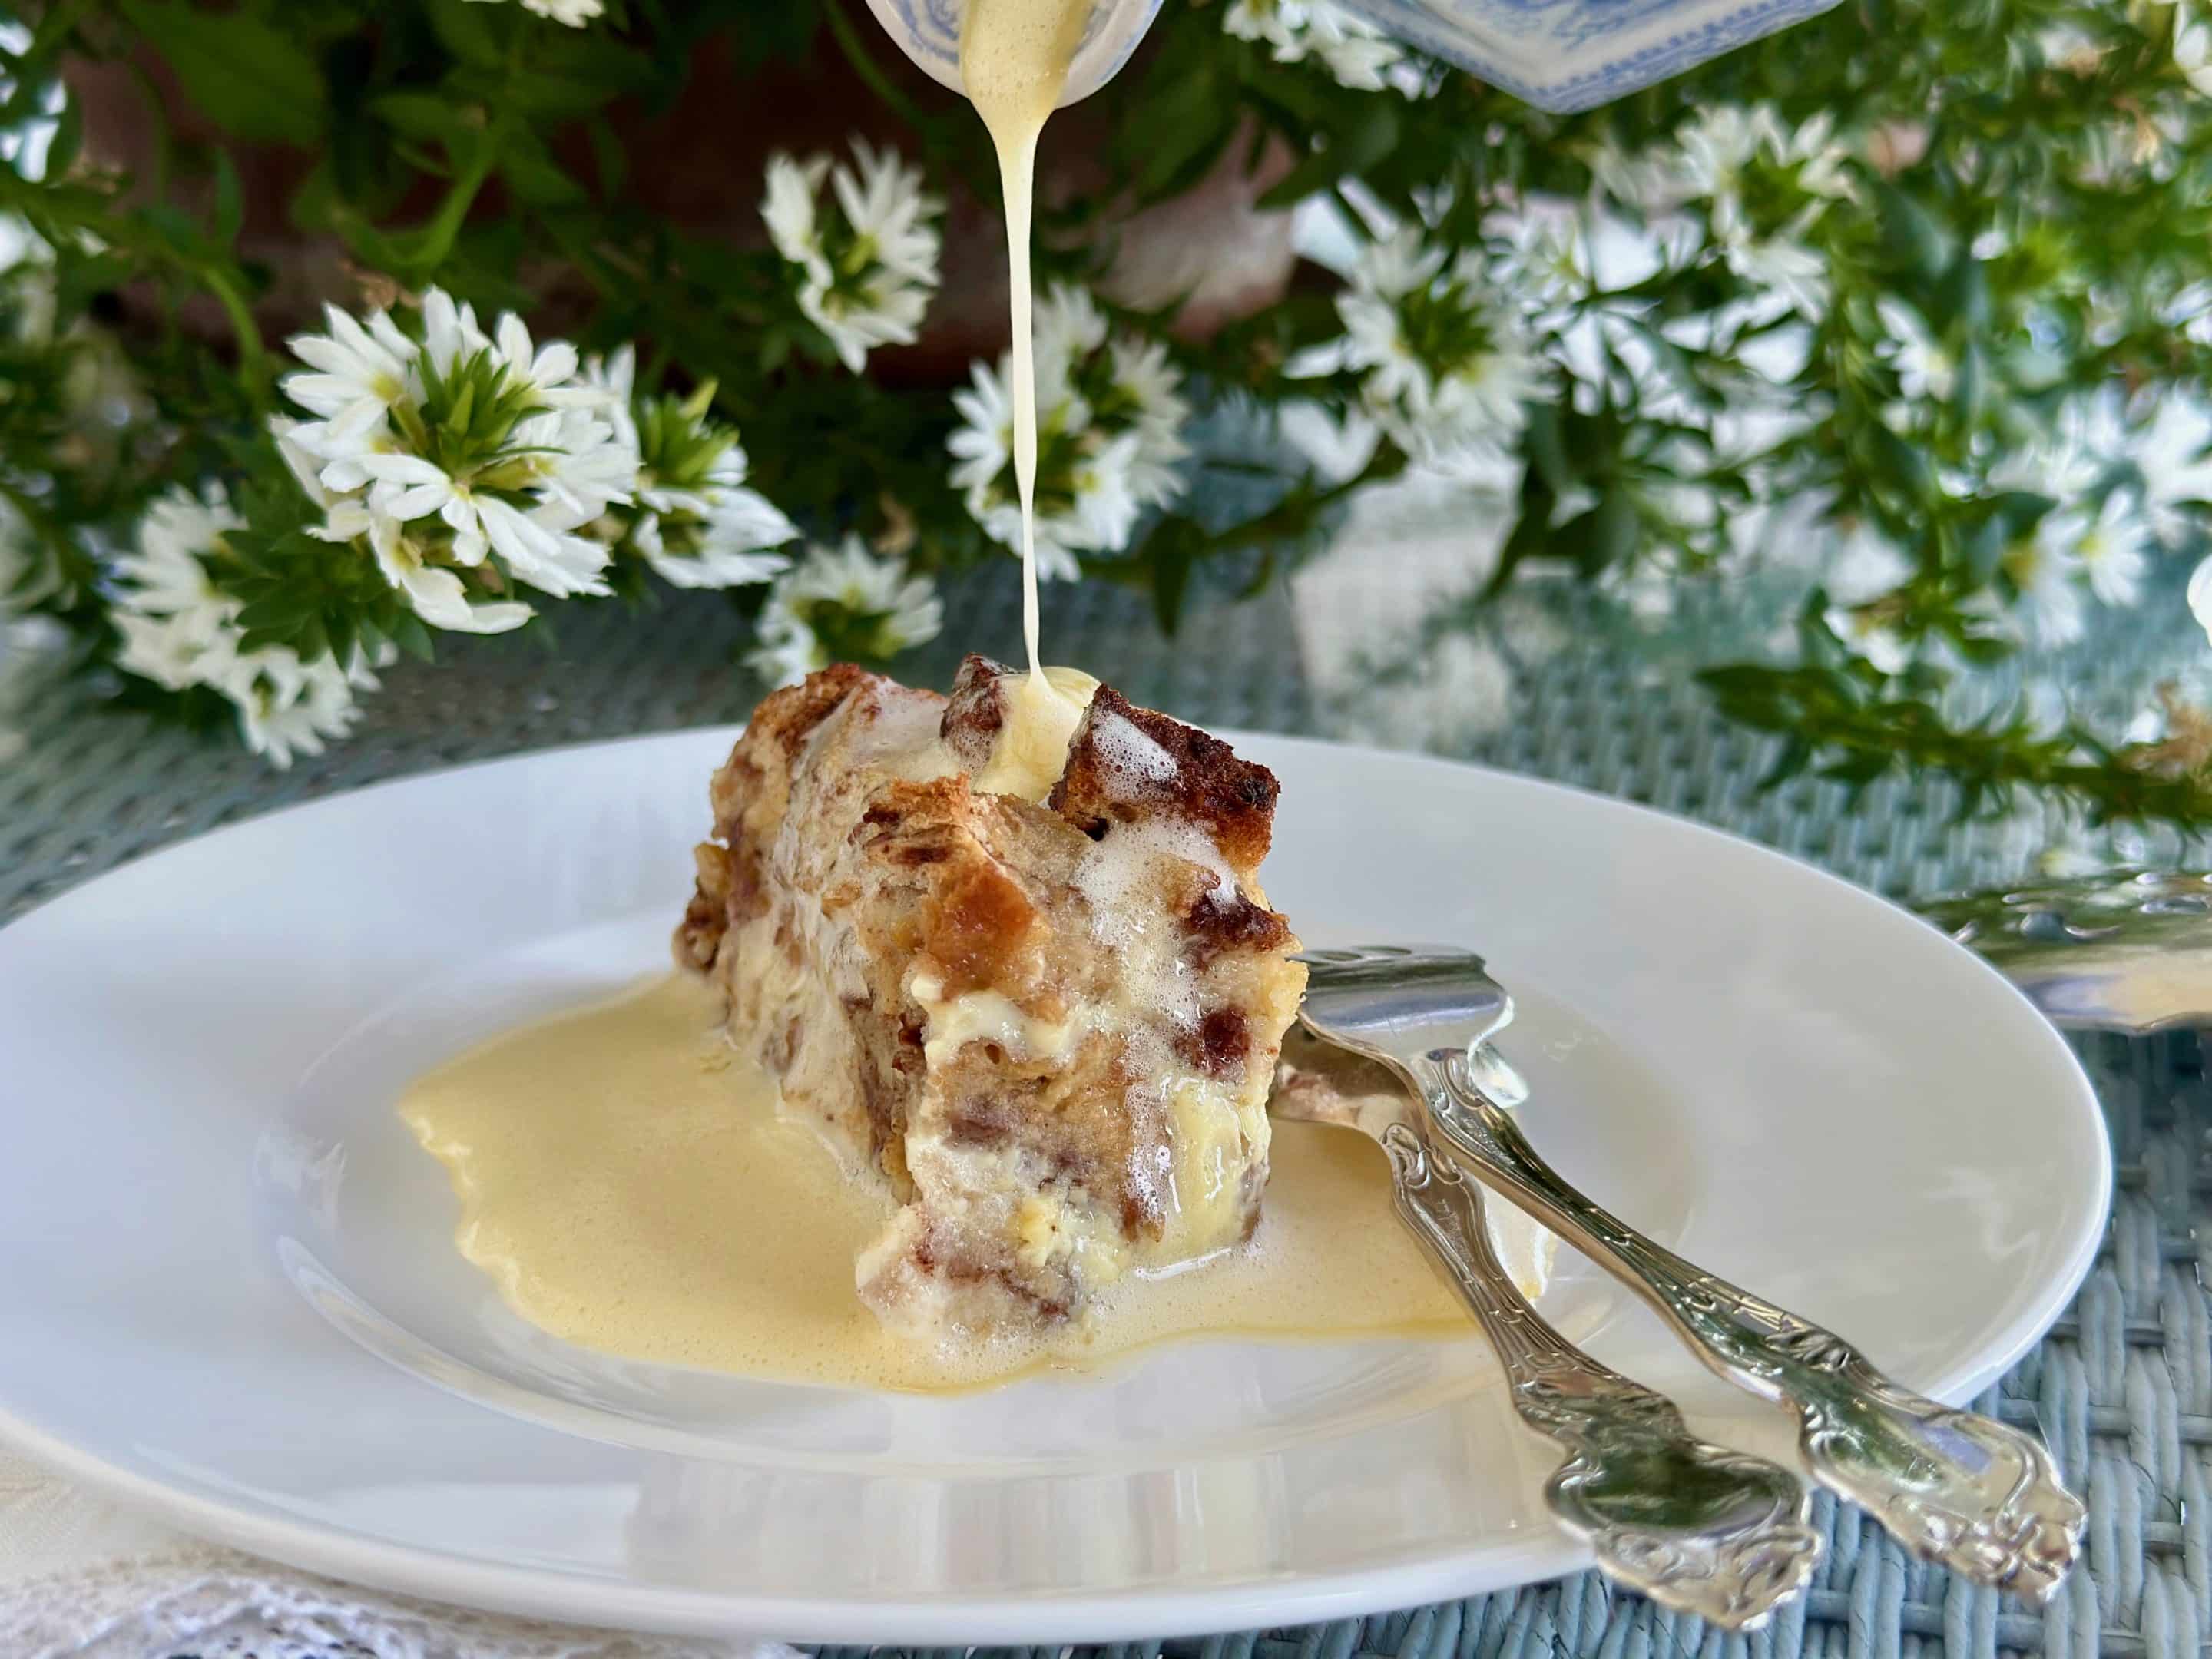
(699, 163)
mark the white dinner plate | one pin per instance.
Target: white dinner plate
(228, 1286)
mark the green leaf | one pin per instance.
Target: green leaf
(1547, 451)
(281, 609)
(229, 206)
(574, 82)
(1901, 461)
(1972, 397)
(1194, 121)
(1173, 547)
(1984, 548)
(1963, 295)
(409, 634)
(1910, 236)
(531, 172)
(463, 28)
(242, 73)
(1353, 152)
(608, 157)
(67, 142)
(1615, 531)
(421, 114)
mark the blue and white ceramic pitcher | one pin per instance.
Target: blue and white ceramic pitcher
(1557, 54)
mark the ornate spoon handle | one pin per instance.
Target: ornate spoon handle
(1707, 1531)
(1952, 1487)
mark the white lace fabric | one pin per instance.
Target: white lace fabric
(81, 1577)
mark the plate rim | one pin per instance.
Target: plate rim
(330, 1548)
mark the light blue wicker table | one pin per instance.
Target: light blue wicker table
(2122, 1388)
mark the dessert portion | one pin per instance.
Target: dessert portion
(1009, 953)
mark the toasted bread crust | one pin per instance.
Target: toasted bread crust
(1233, 798)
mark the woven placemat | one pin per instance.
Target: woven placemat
(2122, 1388)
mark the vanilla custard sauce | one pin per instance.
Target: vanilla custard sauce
(1014, 56)
(625, 1180)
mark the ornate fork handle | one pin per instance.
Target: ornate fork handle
(1708, 1531)
(1952, 1487)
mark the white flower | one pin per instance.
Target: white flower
(2044, 571)
(867, 262)
(2200, 595)
(354, 375)
(1547, 259)
(575, 13)
(1643, 177)
(1866, 566)
(1145, 387)
(1067, 328)
(546, 371)
(449, 330)
(16, 558)
(692, 520)
(736, 531)
(1336, 450)
(1109, 414)
(180, 629)
(1720, 146)
(2192, 44)
(1455, 696)
(166, 650)
(614, 378)
(2173, 453)
(787, 210)
(2084, 441)
(1792, 271)
(27, 281)
(842, 601)
(436, 595)
(1926, 371)
(1355, 51)
(29, 648)
(2110, 549)
(1867, 636)
(438, 456)
(1445, 360)
(1863, 569)
(298, 712)
(533, 543)
(20, 245)
(167, 576)
(1718, 153)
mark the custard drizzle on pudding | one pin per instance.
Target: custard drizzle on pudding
(628, 1182)
(1014, 58)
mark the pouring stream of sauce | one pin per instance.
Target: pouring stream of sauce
(1014, 56)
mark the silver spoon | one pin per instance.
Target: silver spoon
(1952, 1487)
(2127, 951)
(1696, 1526)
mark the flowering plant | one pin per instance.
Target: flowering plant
(1908, 309)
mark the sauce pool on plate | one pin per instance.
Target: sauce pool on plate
(626, 1181)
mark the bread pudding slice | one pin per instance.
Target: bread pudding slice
(1009, 953)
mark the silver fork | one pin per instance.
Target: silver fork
(1699, 1527)
(1952, 1487)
